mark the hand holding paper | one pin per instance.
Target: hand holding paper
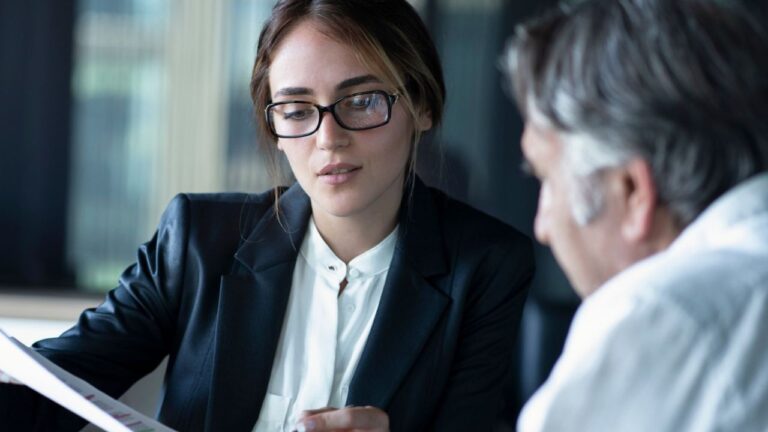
(27, 367)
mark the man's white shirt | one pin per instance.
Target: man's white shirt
(324, 333)
(678, 341)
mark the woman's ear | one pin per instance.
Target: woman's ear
(424, 122)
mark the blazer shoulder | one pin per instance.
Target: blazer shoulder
(223, 200)
(462, 220)
(216, 216)
(221, 204)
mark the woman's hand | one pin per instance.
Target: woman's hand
(362, 419)
(7, 379)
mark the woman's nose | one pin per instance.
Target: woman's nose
(330, 135)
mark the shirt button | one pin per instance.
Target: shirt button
(350, 308)
(353, 273)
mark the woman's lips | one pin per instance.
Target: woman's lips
(336, 174)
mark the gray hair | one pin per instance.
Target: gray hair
(682, 84)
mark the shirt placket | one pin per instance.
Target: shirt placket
(323, 341)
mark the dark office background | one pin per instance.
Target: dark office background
(35, 71)
(49, 125)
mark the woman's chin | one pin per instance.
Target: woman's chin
(338, 207)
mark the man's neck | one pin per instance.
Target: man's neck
(664, 231)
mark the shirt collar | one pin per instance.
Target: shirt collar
(727, 221)
(716, 225)
(324, 261)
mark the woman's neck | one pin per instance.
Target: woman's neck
(351, 236)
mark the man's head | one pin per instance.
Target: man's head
(639, 114)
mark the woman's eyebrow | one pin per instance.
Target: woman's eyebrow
(347, 83)
(293, 91)
(351, 82)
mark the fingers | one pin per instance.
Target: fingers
(307, 413)
(7, 379)
(369, 419)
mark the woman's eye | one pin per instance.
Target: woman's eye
(297, 115)
(360, 102)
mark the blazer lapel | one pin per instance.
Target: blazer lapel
(252, 304)
(410, 306)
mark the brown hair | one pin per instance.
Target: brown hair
(387, 35)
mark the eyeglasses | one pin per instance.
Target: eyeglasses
(358, 111)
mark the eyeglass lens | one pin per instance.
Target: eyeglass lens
(354, 112)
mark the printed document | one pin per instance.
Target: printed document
(40, 374)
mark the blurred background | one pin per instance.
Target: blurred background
(108, 108)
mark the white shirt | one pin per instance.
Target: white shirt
(677, 342)
(323, 333)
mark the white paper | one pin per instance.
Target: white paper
(42, 375)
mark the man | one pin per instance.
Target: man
(647, 124)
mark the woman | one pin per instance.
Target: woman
(357, 287)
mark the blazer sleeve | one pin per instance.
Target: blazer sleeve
(488, 333)
(118, 342)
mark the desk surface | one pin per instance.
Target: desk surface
(45, 305)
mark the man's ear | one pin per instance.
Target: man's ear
(640, 201)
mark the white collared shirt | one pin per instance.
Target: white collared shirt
(323, 333)
(678, 341)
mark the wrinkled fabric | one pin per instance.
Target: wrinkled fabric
(677, 342)
(210, 291)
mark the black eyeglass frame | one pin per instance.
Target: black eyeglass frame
(390, 98)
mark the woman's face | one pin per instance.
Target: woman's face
(346, 173)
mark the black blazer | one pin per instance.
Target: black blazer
(211, 288)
